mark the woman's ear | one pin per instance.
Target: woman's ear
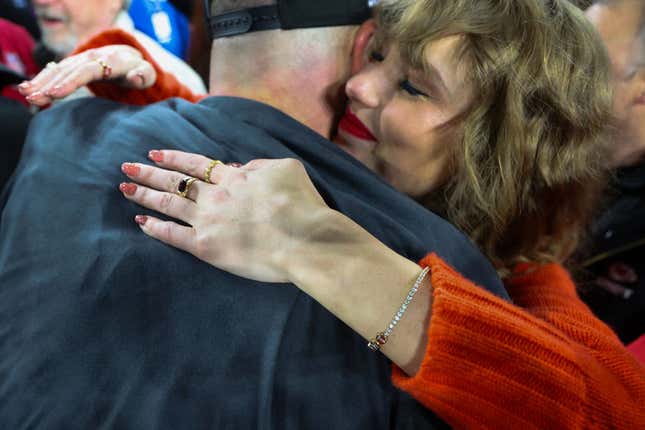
(361, 42)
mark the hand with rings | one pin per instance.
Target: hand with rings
(248, 220)
(121, 63)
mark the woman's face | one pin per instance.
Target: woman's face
(406, 115)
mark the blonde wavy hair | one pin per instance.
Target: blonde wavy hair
(530, 165)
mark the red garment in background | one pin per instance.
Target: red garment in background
(16, 46)
(638, 348)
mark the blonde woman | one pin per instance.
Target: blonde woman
(491, 112)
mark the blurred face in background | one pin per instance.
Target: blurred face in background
(620, 25)
(66, 23)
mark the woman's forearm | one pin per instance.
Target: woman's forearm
(363, 283)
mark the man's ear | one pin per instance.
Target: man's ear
(361, 42)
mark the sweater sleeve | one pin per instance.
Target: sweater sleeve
(166, 85)
(544, 363)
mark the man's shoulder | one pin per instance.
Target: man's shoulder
(86, 111)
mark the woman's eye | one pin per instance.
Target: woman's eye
(377, 56)
(410, 89)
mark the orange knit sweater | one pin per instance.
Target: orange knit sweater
(544, 362)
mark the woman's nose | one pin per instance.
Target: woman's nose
(367, 87)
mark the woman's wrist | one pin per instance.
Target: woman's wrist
(333, 249)
(363, 283)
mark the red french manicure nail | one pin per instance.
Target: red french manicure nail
(128, 189)
(130, 169)
(24, 85)
(141, 220)
(156, 156)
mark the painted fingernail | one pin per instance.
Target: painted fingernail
(25, 85)
(235, 164)
(143, 79)
(34, 96)
(141, 219)
(130, 169)
(128, 189)
(156, 156)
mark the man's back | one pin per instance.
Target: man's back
(103, 327)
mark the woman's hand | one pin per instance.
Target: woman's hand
(248, 222)
(119, 63)
(266, 221)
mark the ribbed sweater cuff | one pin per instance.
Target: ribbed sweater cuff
(479, 352)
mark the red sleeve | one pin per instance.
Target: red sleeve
(638, 348)
(16, 46)
(166, 85)
(544, 363)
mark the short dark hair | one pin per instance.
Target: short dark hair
(219, 7)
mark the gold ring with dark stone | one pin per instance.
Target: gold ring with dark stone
(184, 186)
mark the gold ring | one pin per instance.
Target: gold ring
(184, 186)
(51, 65)
(106, 69)
(209, 170)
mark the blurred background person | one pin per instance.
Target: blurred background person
(16, 46)
(20, 12)
(16, 65)
(67, 23)
(616, 253)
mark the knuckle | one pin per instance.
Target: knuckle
(220, 195)
(237, 176)
(144, 173)
(166, 201)
(166, 231)
(143, 194)
(193, 164)
(111, 57)
(255, 164)
(87, 69)
(201, 244)
(93, 54)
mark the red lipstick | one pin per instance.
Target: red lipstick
(352, 125)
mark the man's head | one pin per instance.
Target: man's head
(300, 71)
(621, 26)
(66, 23)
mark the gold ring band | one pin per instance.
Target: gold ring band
(106, 69)
(209, 170)
(185, 185)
